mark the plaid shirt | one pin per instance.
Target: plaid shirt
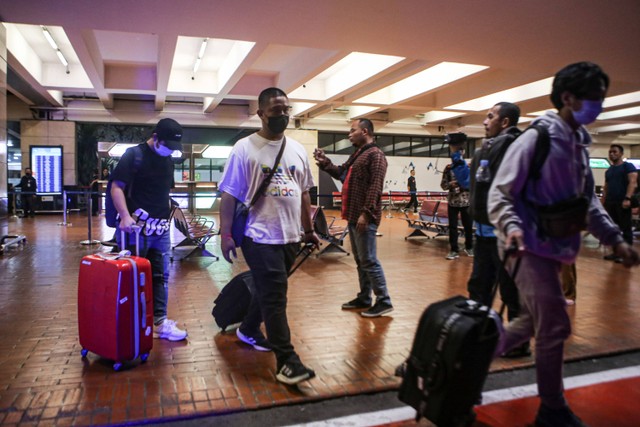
(365, 184)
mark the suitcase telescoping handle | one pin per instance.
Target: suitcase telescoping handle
(512, 250)
(123, 246)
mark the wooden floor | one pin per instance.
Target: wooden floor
(43, 379)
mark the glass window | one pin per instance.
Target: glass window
(202, 169)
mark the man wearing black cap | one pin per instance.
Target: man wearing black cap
(140, 191)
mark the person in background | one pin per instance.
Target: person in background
(362, 177)
(273, 234)
(95, 194)
(147, 204)
(456, 180)
(569, 278)
(412, 189)
(28, 187)
(620, 182)
(500, 131)
(11, 204)
(578, 91)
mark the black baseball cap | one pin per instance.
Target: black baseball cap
(455, 138)
(169, 131)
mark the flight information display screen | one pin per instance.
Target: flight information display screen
(46, 165)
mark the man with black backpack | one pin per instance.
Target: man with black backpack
(543, 219)
(501, 131)
(139, 189)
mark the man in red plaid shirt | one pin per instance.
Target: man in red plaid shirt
(362, 177)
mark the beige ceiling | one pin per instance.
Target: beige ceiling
(131, 61)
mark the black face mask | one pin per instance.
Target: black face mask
(278, 124)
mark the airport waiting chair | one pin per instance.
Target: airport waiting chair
(328, 231)
(197, 230)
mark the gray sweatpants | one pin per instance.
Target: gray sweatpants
(543, 315)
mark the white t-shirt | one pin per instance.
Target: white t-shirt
(275, 218)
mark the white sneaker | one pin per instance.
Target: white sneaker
(169, 331)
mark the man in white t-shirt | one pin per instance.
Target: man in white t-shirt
(273, 233)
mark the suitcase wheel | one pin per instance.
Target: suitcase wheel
(117, 366)
(84, 352)
(144, 357)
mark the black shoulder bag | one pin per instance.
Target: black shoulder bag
(241, 212)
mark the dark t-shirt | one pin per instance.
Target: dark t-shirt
(617, 180)
(152, 182)
(411, 183)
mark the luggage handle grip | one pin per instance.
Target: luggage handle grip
(123, 251)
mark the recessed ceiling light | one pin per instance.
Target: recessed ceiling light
(344, 74)
(422, 82)
(515, 94)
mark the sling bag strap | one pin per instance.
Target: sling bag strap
(267, 180)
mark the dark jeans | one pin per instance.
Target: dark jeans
(370, 273)
(270, 265)
(413, 202)
(467, 223)
(486, 265)
(157, 250)
(622, 217)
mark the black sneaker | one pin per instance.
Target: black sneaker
(294, 372)
(561, 417)
(523, 350)
(610, 257)
(257, 340)
(377, 310)
(355, 303)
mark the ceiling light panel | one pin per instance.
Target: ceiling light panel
(626, 98)
(351, 70)
(625, 112)
(220, 61)
(616, 128)
(435, 116)
(217, 152)
(516, 94)
(422, 82)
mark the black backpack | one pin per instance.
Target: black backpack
(495, 154)
(110, 211)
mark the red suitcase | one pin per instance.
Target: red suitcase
(115, 307)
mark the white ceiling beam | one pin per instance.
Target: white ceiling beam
(166, 50)
(240, 71)
(85, 45)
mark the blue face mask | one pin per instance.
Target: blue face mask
(588, 113)
(163, 151)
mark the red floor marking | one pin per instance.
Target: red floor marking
(609, 404)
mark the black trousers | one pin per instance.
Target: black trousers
(622, 217)
(269, 266)
(486, 265)
(413, 201)
(467, 223)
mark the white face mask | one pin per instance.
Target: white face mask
(161, 150)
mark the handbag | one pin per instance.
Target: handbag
(565, 218)
(241, 211)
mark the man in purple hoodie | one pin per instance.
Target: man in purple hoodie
(514, 208)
